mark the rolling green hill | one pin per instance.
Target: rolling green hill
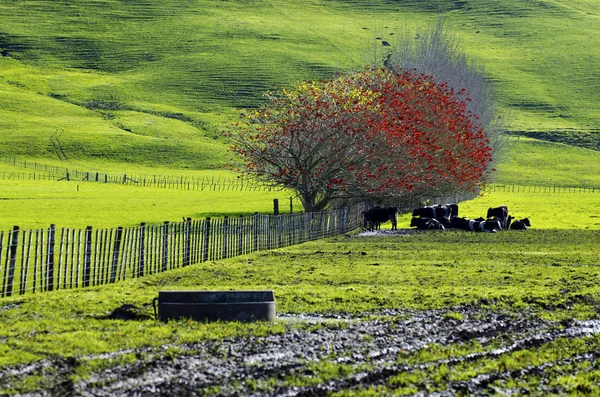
(155, 82)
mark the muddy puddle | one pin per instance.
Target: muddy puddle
(261, 366)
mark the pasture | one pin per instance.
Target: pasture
(517, 309)
(38, 204)
(76, 88)
(541, 283)
(400, 313)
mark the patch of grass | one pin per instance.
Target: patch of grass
(534, 162)
(544, 210)
(584, 139)
(551, 272)
(34, 204)
(37, 204)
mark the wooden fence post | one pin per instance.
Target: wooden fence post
(61, 247)
(87, 257)
(37, 252)
(206, 239)
(141, 258)
(50, 258)
(275, 207)
(165, 253)
(115, 256)
(9, 274)
(6, 263)
(268, 231)
(186, 246)
(240, 230)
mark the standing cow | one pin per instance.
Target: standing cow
(374, 217)
(500, 214)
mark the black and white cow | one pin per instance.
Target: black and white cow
(426, 224)
(374, 217)
(428, 212)
(500, 214)
(489, 226)
(458, 223)
(452, 210)
(437, 211)
(520, 224)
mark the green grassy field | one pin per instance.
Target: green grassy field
(36, 204)
(33, 205)
(158, 81)
(533, 162)
(147, 88)
(552, 274)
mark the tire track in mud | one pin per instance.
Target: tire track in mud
(259, 365)
(479, 385)
(476, 385)
(288, 354)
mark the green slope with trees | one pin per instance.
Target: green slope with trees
(155, 82)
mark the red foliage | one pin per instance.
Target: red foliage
(373, 134)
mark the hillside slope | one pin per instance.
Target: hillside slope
(154, 82)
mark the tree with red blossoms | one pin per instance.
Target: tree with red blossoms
(375, 135)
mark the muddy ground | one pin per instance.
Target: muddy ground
(264, 366)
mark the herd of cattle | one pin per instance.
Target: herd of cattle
(445, 216)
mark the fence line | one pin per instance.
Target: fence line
(47, 172)
(157, 181)
(541, 189)
(52, 259)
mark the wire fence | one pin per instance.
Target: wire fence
(51, 259)
(43, 172)
(541, 189)
(33, 261)
(157, 181)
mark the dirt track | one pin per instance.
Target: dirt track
(260, 365)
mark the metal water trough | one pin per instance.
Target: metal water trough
(216, 305)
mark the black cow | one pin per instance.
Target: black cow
(520, 224)
(459, 223)
(501, 214)
(428, 212)
(444, 220)
(437, 211)
(426, 224)
(377, 215)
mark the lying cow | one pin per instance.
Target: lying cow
(374, 217)
(489, 226)
(459, 224)
(520, 224)
(426, 224)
